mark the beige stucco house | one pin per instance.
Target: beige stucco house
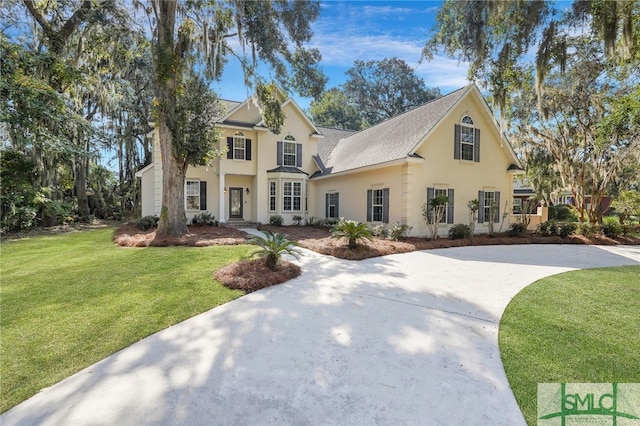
(451, 146)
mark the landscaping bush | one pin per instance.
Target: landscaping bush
(566, 229)
(204, 219)
(588, 229)
(352, 230)
(548, 229)
(379, 231)
(276, 220)
(563, 213)
(320, 222)
(611, 230)
(297, 220)
(147, 223)
(272, 247)
(398, 231)
(459, 230)
(517, 229)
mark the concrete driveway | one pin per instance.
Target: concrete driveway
(404, 339)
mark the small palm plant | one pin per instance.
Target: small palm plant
(352, 230)
(272, 247)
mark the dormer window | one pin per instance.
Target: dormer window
(466, 140)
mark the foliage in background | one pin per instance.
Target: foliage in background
(374, 91)
(627, 203)
(333, 109)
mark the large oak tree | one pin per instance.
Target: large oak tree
(271, 32)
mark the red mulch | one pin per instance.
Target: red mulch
(252, 275)
(199, 236)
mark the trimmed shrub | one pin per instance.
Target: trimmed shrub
(566, 229)
(588, 229)
(276, 220)
(548, 229)
(612, 230)
(563, 213)
(517, 229)
(148, 222)
(297, 220)
(398, 231)
(379, 231)
(204, 219)
(459, 230)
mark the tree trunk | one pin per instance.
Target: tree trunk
(173, 220)
(81, 187)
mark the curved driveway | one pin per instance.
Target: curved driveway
(403, 339)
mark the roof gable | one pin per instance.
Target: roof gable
(393, 139)
(399, 137)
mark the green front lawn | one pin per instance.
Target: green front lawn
(72, 299)
(577, 327)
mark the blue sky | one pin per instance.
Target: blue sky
(368, 30)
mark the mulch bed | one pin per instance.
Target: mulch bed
(252, 275)
(199, 236)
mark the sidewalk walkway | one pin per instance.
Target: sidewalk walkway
(404, 339)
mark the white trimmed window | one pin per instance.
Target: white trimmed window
(440, 192)
(376, 205)
(192, 194)
(332, 205)
(272, 196)
(292, 196)
(489, 198)
(467, 138)
(289, 149)
(517, 205)
(239, 146)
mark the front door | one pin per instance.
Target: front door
(235, 203)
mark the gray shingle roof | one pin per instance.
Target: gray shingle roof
(331, 138)
(390, 140)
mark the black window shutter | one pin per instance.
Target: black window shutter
(229, 148)
(203, 195)
(279, 159)
(337, 209)
(496, 219)
(298, 155)
(430, 195)
(369, 203)
(385, 205)
(450, 206)
(480, 206)
(326, 205)
(456, 142)
(476, 146)
(247, 147)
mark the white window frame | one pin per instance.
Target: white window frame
(289, 144)
(192, 191)
(377, 194)
(273, 195)
(331, 204)
(517, 206)
(487, 206)
(467, 138)
(438, 192)
(291, 193)
(239, 138)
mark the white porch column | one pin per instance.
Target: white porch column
(221, 216)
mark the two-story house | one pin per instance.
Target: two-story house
(449, 146)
